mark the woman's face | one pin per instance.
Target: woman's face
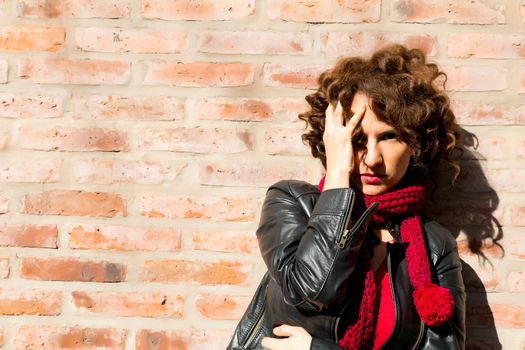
(380, 157)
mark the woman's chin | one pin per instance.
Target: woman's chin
(374, 190)
(370, 189)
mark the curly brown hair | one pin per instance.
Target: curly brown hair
(406, 92)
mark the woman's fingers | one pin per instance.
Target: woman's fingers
(269, 343)
(292, 338)
(356, 118)
(287, 331)
(334, 115)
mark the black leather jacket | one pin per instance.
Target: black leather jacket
(311, 256)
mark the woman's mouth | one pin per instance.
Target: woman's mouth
(371, 178)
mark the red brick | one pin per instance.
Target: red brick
(516, 281)
(143, 40)
(27, 235)
(489, 147)
(26, 38)
(199, 74)
(470, 78)
(30, 302)
(43, 337)
(18, 105)
(469, 247)
(110, 237)
(4, 67)
(62, 71)
(508, 180)
(221, 307)
(74, 8)
(478, 113)
(513, 245)
(74, 203)
(139, 304)
(225, 241)
(487, 274)
(197, 9)
(196, 140)
(239, 109)
(198, 207)
(294, 76)
(484, 45)
(110, 171)
(71, 269)
(250, 42)
(247, 109)
(252, 174)
(447, 11)
(4, 267)
(41, 170)
(147, 108)
(330, 11)
(336, 44)
(508, 315)
(280, 141)
(4, 204)
(182, 339)
(196, 272)
(65, 138)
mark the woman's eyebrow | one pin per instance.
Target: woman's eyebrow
(389, 131)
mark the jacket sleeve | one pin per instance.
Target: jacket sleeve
(309, 256)
(447, 268)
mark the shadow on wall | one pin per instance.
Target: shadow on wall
(467, 210)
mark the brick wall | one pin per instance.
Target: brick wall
(137, 138)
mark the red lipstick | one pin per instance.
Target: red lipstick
(370, 178)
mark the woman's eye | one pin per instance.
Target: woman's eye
(390, 136)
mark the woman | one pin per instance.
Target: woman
(351, 262)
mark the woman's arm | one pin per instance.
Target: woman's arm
(310, 257)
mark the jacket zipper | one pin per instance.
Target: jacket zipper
(342, 242)
(254, 331)
(257, 326)
(346, 232)
(358, 223)
(337, 321)
(396, 312)
(420, 336)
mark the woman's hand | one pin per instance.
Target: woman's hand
(297, 339)
(337, 139)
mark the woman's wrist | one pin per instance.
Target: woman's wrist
(336, 179)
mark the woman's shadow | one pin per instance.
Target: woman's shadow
(467, 210)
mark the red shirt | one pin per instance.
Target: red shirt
(385, 314)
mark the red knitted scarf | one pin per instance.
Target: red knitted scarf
(433, 303)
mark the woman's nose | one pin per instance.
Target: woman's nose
(372, 156)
